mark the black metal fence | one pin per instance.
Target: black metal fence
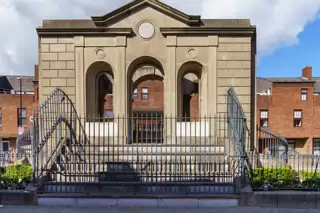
(300, 172)
(15, 170)
(183, 157)
(134, 154)
(272, 144)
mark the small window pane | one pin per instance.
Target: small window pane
(145, 94)
(264, 123)
(264, 114)
(144, 97)
(304, 97)
(24, 113)
(22, 118)
(304, 94)
(135, 94)
(5, 146)
(297, 114)
(297, 123)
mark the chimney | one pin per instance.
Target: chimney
(307, 73)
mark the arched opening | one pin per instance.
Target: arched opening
(145, 100)
(188, 91)
(99, 90)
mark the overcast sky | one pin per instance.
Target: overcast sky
(279, 22)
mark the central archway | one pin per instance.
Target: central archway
(145, 97)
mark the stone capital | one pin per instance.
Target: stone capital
(121, 41)
(213, 41)
(171, 41)
(79, 41)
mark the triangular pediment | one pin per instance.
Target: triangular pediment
(132, 7)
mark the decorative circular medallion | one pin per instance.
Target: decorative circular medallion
(192, 53)
(146, 30)
(100, 53)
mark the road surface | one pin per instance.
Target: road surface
(61, 209)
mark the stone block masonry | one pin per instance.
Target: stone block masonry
(57, 66)
(234, 70)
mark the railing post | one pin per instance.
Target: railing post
(33, 150)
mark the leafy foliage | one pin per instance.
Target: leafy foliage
(16, 176)
(284, 178)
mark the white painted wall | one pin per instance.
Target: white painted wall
(183, 129)
(192, 129)
(101, 129)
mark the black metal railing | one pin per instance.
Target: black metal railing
(237, 126)
(300, 172)
(272, 144)
(133, 154)
(192, 157)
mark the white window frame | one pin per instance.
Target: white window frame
(135, 94)
(304, 94)
(264, 116)
(144, 91)
(297, 116)
(316, 141)
(26, 118)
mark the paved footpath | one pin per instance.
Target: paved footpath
(60, 209)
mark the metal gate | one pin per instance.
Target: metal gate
(73, 154)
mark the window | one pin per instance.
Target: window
(264, 118)
(4, 146)
(22, 117)
(304, 93)
(0, 117)
(297, 118)
(145, 93)
(316, 147)
(135, 94)
(291, 147)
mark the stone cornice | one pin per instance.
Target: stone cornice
(84, 31)
(208, 31)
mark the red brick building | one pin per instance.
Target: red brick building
(10, 115)
(291, 108)
(148, 97)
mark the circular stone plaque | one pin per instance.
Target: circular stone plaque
(100, 53)
(146, 30)
(192, 53)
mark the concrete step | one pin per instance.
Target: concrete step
(225, 188)
(100, 158)
(169, 141)
(134, 178)
(151, 149)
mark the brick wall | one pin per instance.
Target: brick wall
(285, 98)
(156, 99)
(9, 104)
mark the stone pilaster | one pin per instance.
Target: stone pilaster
(80, 75)
(170, 91)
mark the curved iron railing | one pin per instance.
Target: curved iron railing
(272, 144)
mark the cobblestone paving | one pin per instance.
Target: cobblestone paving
(60, 209)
